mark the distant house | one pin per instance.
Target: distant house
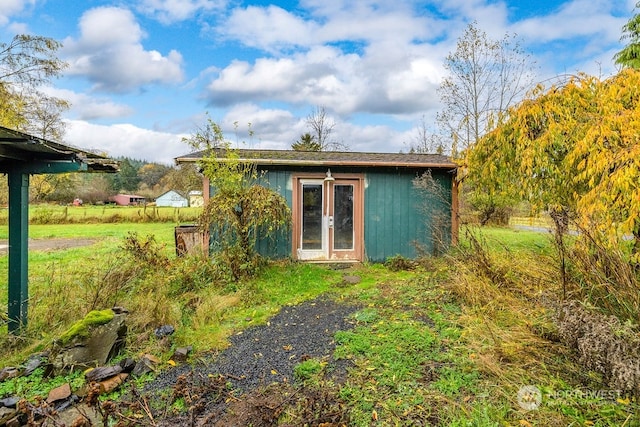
(355, 206)
(129, 200)
(196, 199)
(172, 199)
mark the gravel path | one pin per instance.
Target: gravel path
(265, 354)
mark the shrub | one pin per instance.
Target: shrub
(603, 345)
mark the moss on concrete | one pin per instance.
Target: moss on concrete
(81, 327)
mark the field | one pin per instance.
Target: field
(60, 214)
(447, 341)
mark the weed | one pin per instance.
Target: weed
(604, 345)
(309, 369)
(399, 263)
(453, 381)
(145, 250)
(38, 385)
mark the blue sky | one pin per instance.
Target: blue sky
(143, 73)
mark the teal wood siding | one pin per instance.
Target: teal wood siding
(397, 216)
(280, 245)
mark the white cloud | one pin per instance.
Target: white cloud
(273, 29)
(365, 56)
(170, 11)
(86, 107)
(10, 8)
(398, 82)
(577, 18)
(126, 140)
(278, 129)
(579, 35)
(263, 28)
(109, 53)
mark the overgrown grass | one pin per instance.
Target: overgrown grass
(75, 278)
(57, 214)
(509, 294)
(450, 342)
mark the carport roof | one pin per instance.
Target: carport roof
(17, 148)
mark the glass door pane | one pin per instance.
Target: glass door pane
(312, 216)
(343, 216)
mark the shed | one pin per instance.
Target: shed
(23, 155)
(196, 199)
(129, 200)
(172, 199)
(350, 206)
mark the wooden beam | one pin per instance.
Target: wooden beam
(455, 210)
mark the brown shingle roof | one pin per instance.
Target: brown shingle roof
(332, 158)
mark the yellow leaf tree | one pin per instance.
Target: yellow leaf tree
(573, 150)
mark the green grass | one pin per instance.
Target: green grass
(50, 268)
(114, 232)
(445, 344)
(513, 240)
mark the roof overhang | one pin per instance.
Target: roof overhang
(328, 159)
(35, 155)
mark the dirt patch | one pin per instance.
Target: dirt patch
(50, 244)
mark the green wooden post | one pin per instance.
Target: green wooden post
(18, 249)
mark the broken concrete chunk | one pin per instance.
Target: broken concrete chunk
(182, 354)
(8, 373)
(95, 346)
(146, 364)
(108, 385)
(102, 372)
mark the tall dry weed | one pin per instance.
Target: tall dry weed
(604, 276)
(507, 315)
(604, 345)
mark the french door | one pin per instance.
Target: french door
(328, 219)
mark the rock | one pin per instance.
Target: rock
(59, 393)
(80, 415)
(9, 402)
(34, 362)
(127, 365)
(120, 310)
(101, 343)
(181, 354)
(63, 405)
(14, 422)
(108, 385)
(6, 414)
(8, 373)
(350, 279)
(145, 365)
(164, 331)
(102, 373)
